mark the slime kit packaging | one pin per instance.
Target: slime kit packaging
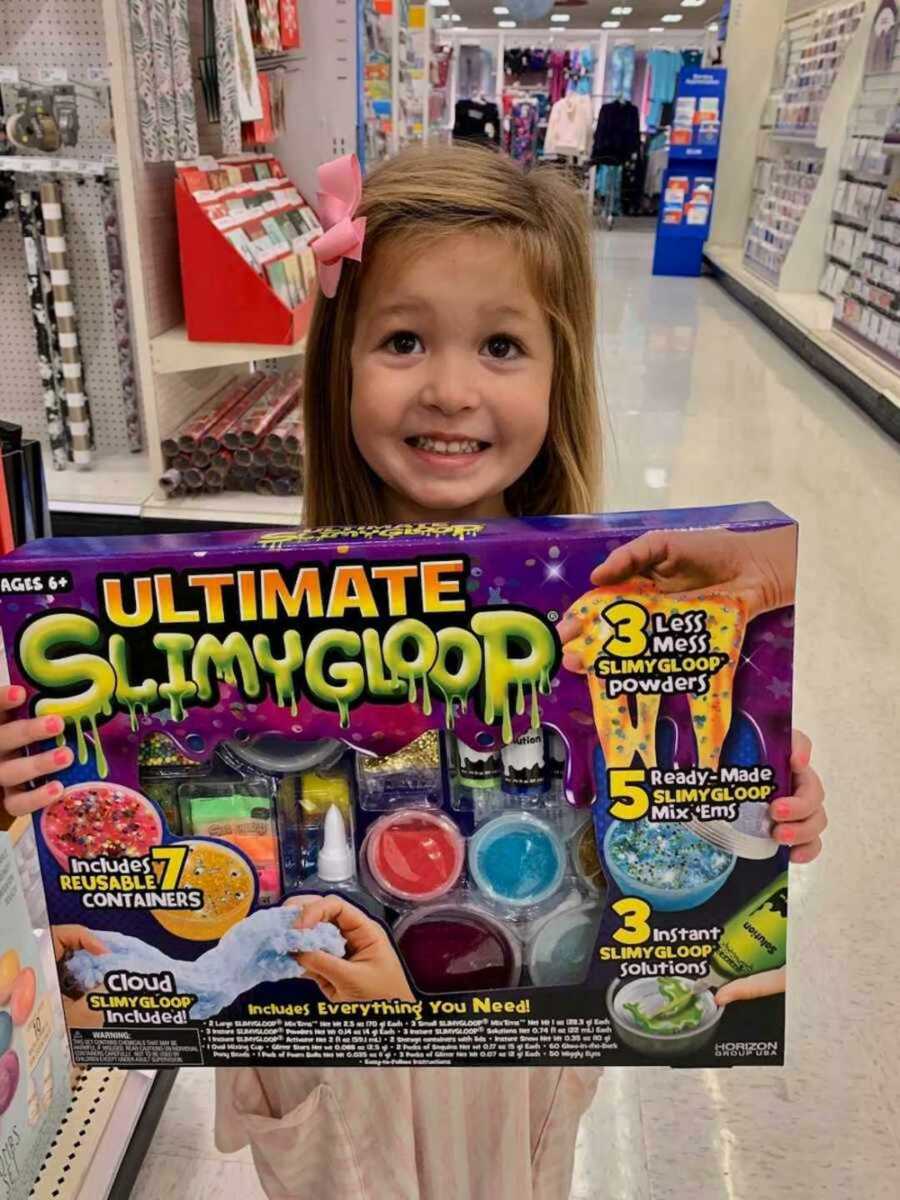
(419, 794)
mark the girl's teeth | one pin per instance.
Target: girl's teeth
(437, 447)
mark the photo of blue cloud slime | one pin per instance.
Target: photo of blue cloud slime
(257, 950)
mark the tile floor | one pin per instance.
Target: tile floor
(705, 406)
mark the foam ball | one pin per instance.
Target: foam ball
(6, 1031)
(23, 993)
(10, 966)
(9, 1079)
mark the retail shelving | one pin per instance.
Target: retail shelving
(821, 230)
(173, 352)
(104, 1135)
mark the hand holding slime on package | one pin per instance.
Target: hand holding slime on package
(259, 949)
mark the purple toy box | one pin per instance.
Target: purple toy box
(417, 794)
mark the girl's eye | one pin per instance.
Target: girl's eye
(404, 343)
(503, 348)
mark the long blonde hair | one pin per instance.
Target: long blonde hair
(427, 194)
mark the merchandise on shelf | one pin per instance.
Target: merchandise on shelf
(552, 853)
(776, 212)
(815, 51)
(246, 437)
(867, 301)
(269, 283)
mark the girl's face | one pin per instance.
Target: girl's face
(452, 366)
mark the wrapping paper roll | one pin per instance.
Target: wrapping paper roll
(78, 411)
(54, 401)
(121, 322)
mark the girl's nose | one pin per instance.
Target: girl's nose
(450, 387)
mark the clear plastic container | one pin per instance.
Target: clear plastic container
(411, 775)
(412, 855)
(518, 862)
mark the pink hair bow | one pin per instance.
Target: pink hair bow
(340, 184)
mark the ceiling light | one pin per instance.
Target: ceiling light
(456, 17)
(714, 27)
(610, 24)
(560, 18)
(656, 29)
(672, 18)
(506, 24)
(692, 3)
(622, 11)
(439, 3)
(501, 10)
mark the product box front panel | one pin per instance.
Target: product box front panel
(417, 794)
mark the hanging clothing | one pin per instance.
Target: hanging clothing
(523, 127)
(585, 68)
(664, 68)
(618, 132)
(621, 71)
(692, 58)
(475, 73)
(640, 89)
(609, 184)
(477, 121)
(570, 130)
(556, 71)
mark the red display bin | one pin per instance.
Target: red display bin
(225, 300)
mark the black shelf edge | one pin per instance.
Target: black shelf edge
(878, 407)
(136, 1152)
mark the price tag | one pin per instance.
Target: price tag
(38, 1031)
(96, 75)
(55, 75)
(9, 74)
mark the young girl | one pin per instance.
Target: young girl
(450, 376)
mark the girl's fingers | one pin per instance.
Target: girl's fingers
(21, 802)
(801, 750)
(11, 697)
(16, 771)
(800, 833)
(16, 735)
(809, 795)
(807, 853)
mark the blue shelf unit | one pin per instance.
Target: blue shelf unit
(688, 191)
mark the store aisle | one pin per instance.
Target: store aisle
(705, 406)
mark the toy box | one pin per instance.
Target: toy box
(344, 796)
(34, 1062)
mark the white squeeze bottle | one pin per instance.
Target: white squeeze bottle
(335, 869)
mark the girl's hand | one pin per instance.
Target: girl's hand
(753, 987)
(18, 769)
(800, 819)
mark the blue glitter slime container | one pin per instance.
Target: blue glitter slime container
(664, 863)
(517, 860)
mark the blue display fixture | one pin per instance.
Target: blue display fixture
(688, 192)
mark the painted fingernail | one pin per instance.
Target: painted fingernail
(62, 758)
(786, 835)
(53, 725)
(782, 810)
(15, 695)
(55, 789)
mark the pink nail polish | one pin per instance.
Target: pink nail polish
(787, 836)
(15, 695)
(55, 789)
(782, 810)
(62, 758)
(53, 725)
